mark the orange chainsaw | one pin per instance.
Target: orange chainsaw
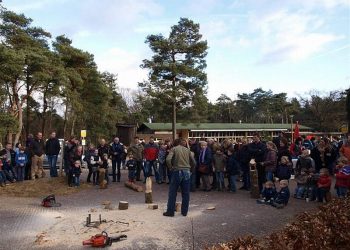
(103, 240)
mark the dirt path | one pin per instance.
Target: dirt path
(26, 225)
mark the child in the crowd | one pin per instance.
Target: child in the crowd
(21, 161)
(268, 193)
(282, 197)
(284, 169)
(162, 162)
(342, 177)
(302, 180)
(76, 171)
(219, 161)
(323, 185)
(105, 166)
(305, 167)
(131, 164)
(232, 168)
(7, 169)
(95, 161)
(2, 175)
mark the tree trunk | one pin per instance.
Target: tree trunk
(348, 108)
(174, 121)
(27, 112)
(20, 124)
(73, 126)
(43, 125)
(65, 120)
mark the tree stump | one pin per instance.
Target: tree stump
(153, 206)
(178, 206)
(148, 198)
(123, 205)
(254, 188)
(101, 178)
(148, 192)
(133, 186)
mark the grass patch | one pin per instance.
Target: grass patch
(41, 187)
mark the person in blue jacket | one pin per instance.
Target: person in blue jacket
(282, 197)
(21, 161)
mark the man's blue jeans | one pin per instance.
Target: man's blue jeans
(233, 179)
(148, 169)
(116, 164)
(179, 178)
(220, 183)
(246, 175)
(52, 159)
(342, 191)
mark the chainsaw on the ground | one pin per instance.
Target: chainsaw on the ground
(50, 201)
(103, 240)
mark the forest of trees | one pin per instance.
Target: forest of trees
(47, 84)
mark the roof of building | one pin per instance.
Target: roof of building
(221, 126)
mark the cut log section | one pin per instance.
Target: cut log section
(153, 206)
(148, 198)
(123, 205)
(133, 186)
(178, 206)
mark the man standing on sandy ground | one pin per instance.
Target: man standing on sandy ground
(136, 150)
(52, 149)
(37, 150)
(180, 161)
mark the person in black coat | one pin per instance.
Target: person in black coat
(232, 168)
(243, 157)
(117, 152)
(52, 149)
(205, 165)
(37, 150)
(257, 151)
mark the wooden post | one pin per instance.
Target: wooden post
(254, 184)
(148, 192)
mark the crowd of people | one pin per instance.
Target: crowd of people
(215, 165)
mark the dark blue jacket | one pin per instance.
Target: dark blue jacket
(21, 159)
(117, 150)
(131, 164)
(208, 157)
(76, 171)
(283, 172)
(282, 196)
(257, 151)
(269, 193)
(232, 166)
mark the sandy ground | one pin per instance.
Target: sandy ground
(27, 225)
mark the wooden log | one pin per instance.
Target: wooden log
(178, 206)
(153, 206)
(123, 205)
(101, 178)
(133, 186)
(148, 198)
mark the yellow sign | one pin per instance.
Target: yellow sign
(344, 129)
(83, 133)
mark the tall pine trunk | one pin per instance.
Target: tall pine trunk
(65, 119)
(348, 108)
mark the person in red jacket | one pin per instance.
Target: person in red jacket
(342, 177)
(151, 155)
(323, 184)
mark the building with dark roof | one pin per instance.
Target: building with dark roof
(218, 131)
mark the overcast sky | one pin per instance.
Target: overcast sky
(288, 46)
